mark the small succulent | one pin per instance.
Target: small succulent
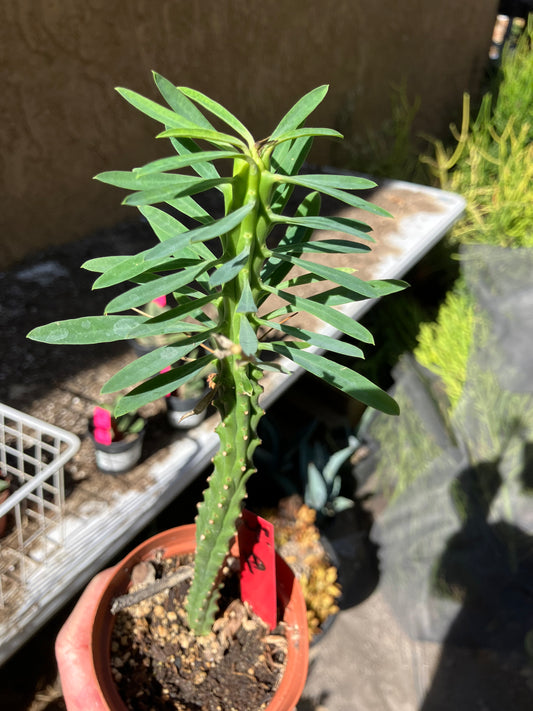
(109, 428)
(321, 475)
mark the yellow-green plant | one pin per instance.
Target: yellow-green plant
(492, 162)
(444, 345)
(221, 273)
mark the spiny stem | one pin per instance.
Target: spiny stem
(237, 400)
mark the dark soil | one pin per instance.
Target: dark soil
(157, 662)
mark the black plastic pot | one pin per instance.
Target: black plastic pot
(177, 407)
(118, 457)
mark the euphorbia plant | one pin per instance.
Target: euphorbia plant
(221, 272)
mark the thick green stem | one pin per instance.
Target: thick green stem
(237, 400)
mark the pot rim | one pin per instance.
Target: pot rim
(181, 540)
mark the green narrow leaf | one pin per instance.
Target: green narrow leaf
(139, 263)
(131, 180)
(331, 297)
(140, 272)
(220, 112)
(167, 321)
(188, 206)
(177, 101)
(343, 196)
(103, 264)
(166, 194)
(299, 280)
(86, 330)
(326, 314)
(165, 226)
(302, 132)
(384, 287)
(229, 270)
(144, 293)
(156, 111)
(319, 340)
(160, 385)
(287, 159)
(203, 134)
(184, 146)
(246, 303)
(200, 234)
(154, 362)
(333, 274)
(340, 181)
(272, 367)
(276, 270)
(301, 110)
(247, 338)
(336, 224)
(348, 381)
(183, 161)
(324, 246)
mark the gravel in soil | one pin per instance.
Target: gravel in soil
(157, 662)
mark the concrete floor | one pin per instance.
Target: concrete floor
(366, 662)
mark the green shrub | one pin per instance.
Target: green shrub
(492, 162)
(444, 345)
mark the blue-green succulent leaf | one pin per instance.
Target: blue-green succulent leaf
(154, 362)
(162, 384)
(327, 314)
(220, 112)
(339, 376)
(229, 270)
(335, 224)
(86, 329)
(155, 110)
(247, 338)
(144, 293)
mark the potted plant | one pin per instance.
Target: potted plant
(221, 273)
(117, 439)
(312, 559)
(187, 405)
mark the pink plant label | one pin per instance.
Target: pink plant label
(165, 370)
(258, 566)
(102, 425)
(161, 301)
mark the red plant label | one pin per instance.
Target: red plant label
(258, 566)
(161, 301)
(102, 425)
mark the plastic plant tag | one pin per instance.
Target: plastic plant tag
(258, 566)
(102, 425)
(161, 301)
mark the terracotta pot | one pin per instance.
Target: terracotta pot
(178, 541)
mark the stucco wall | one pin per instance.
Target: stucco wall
(62, 122)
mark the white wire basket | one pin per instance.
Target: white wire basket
(32, 456)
